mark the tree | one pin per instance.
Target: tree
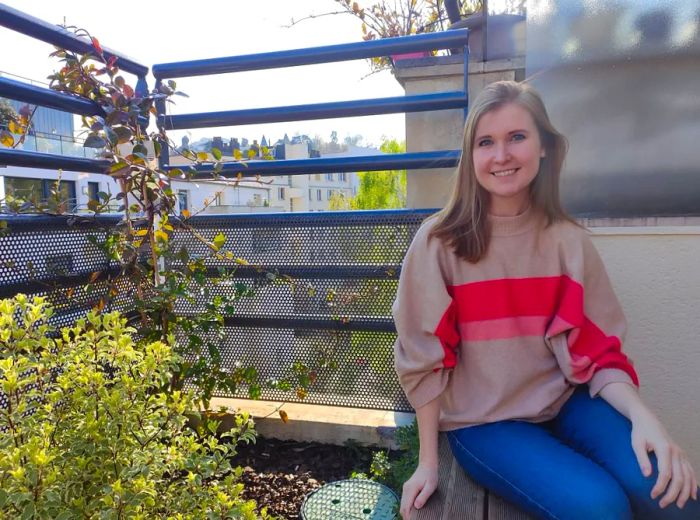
(7, 113)
(378, 190)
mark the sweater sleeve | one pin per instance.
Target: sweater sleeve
(589, 326)
(425, 317)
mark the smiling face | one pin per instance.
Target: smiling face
(506, 153)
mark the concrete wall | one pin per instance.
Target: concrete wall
(653, 262)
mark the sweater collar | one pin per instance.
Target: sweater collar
(508, 226)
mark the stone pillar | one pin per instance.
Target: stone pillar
(443, 129)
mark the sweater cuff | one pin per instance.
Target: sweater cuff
(605, 376)
(430, 387)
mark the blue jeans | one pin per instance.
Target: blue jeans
(579, 466)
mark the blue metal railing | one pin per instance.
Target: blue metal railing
(34, 27)
(364, 107)
(60, 37)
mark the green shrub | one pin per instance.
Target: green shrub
(87, 430)
(396, 469)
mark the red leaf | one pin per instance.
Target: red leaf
(96, 45)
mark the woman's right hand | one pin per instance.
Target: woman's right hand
(418, 488)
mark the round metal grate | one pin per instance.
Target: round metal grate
(354, 499)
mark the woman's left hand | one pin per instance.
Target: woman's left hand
(676, 474)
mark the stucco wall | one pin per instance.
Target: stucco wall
(656, 275)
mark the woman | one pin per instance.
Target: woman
(509, 339)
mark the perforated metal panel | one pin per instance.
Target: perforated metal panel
(322, 284)
(52, 257)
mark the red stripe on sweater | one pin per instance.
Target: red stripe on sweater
(558, 298)
(513, 297)
(446, 332)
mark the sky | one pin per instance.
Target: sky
(159, 32)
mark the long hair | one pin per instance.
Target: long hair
(463, 224)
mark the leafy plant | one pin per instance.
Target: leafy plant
(163, 277)
(88, 431)
(394, 470)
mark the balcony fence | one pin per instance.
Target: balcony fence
(353, 256)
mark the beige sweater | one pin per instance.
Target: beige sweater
(510, 336)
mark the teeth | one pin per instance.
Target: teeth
(505, 173)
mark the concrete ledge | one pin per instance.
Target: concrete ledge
(442, 66)
(319, 423)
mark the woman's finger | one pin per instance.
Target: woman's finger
(640, 451)
(676, 479)
(694, 483)
(407, 497)
(424, 495)
(663, 459)
(685, 493)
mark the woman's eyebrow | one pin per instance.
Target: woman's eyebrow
(510, 132)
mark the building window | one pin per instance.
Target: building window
(311, 197)
(319, 195)
(330, 194)
(329, 176)
(343, 176)
(93, 189)
(183, 200)
(39, 190)
(280, 193)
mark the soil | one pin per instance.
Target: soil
(279, 474)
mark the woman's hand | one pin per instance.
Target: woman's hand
(418, 488)
(676, 475)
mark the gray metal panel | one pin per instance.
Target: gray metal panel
(622, 81)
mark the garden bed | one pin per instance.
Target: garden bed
(279, 474)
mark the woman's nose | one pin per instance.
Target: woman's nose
(500, 152)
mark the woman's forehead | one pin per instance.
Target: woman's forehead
(505, 118)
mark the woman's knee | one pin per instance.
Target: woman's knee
(602, 502)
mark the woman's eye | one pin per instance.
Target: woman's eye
(518, 137)
(484, 142)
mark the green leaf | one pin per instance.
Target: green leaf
(254, 391)
(123, 133)
(216, 153)
(29, 511)
(93, 205)
(112, 136)
(94, 141)
(219, 241)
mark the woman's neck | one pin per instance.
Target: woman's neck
(508, 207)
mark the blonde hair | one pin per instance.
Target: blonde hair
(463, 224)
